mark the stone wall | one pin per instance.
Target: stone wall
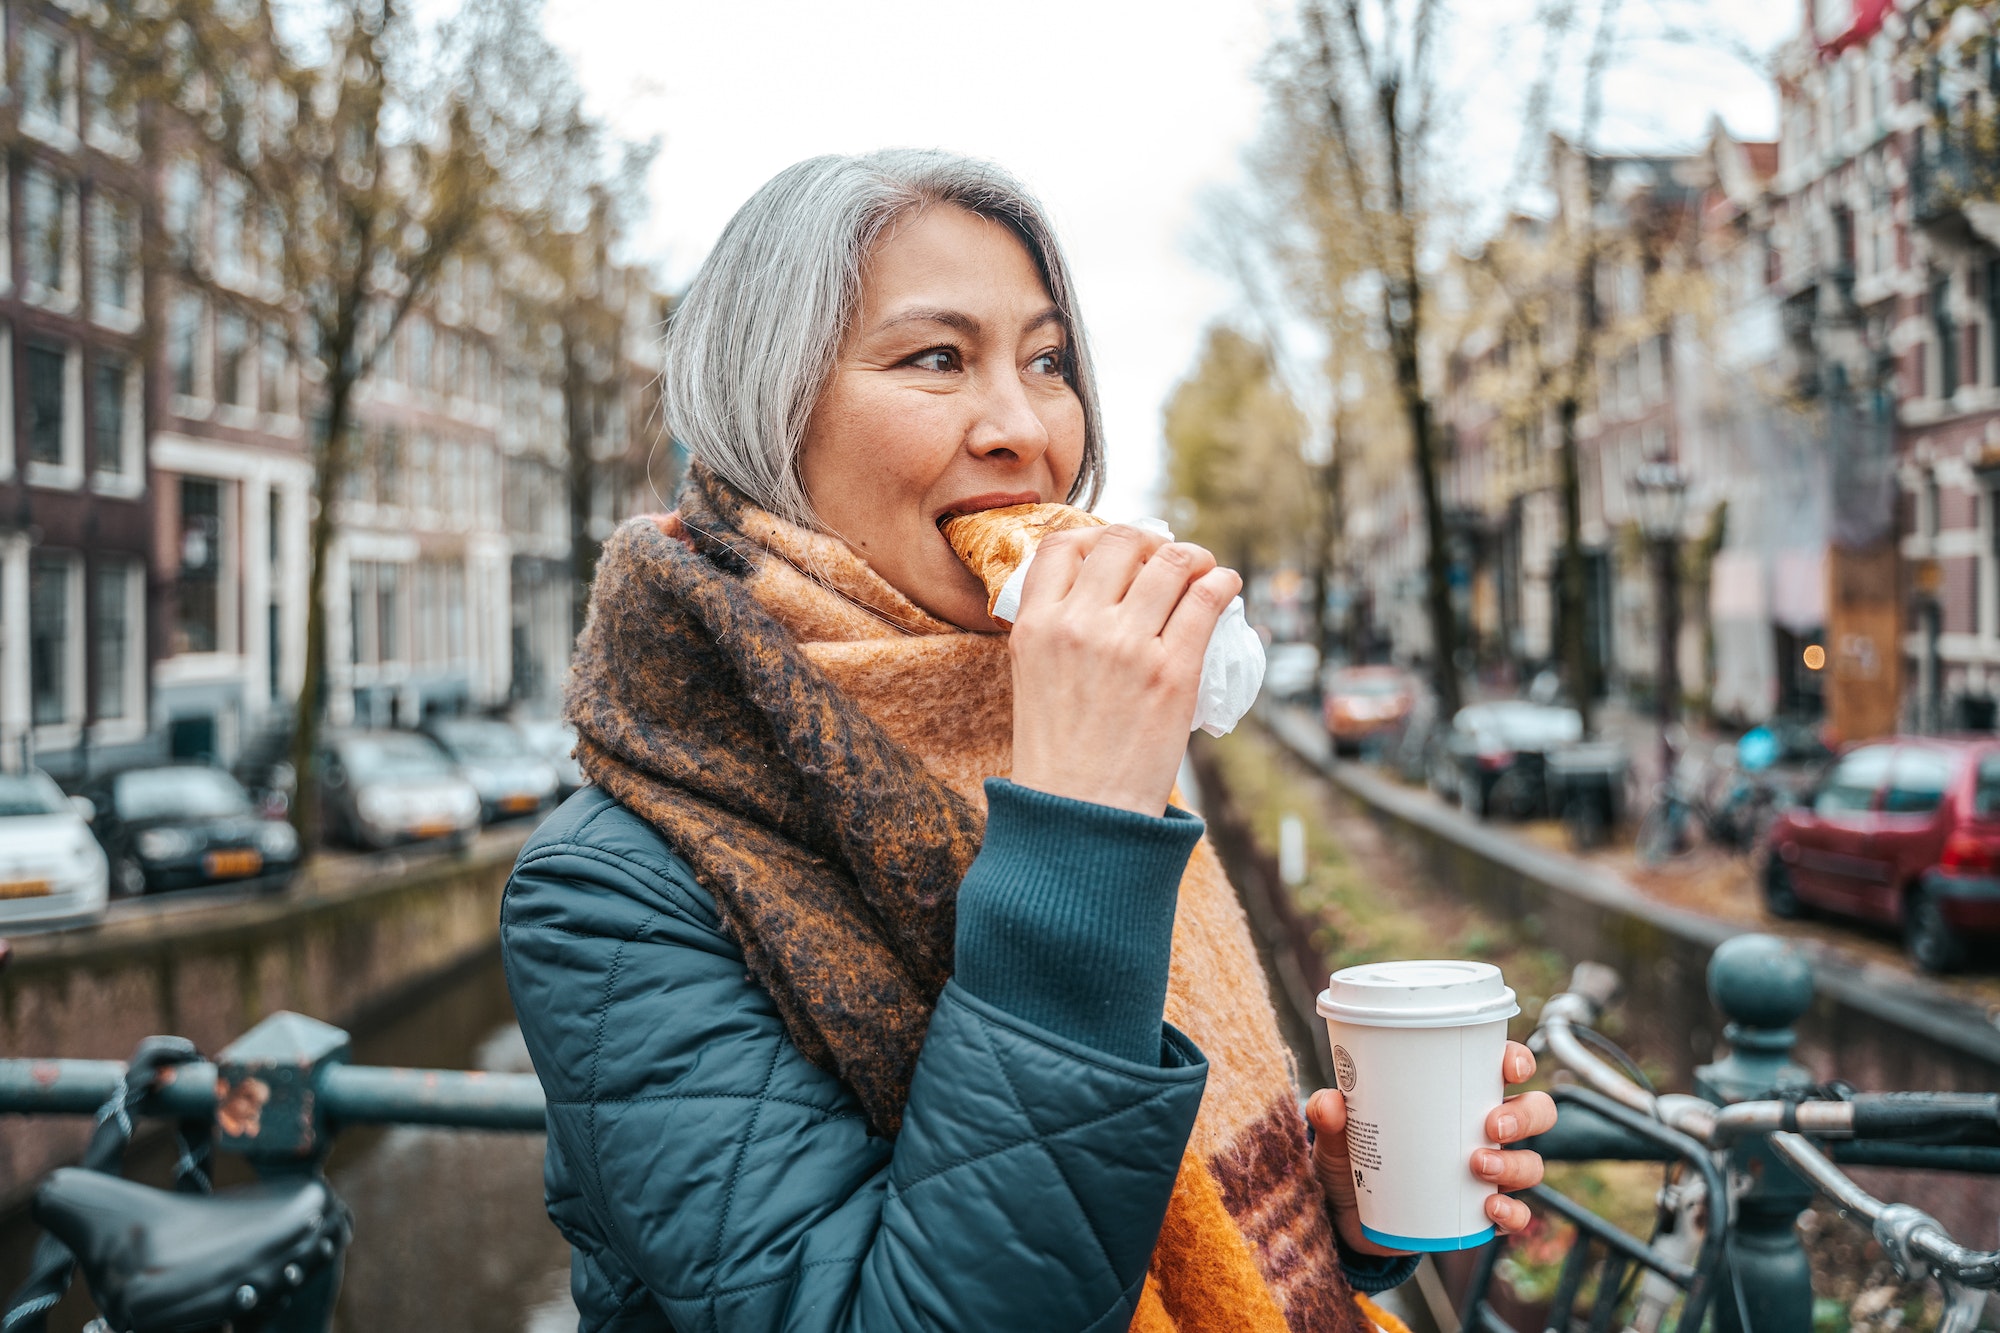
(335, 951)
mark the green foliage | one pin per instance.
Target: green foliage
(1234, 466)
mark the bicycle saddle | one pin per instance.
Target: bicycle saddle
(159, 1262)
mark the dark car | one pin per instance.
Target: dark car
(184, 825)
(511, 776)
(1902, 832)
(381, 788)
(1495, 755)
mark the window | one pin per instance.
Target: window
(388, 607)
(181, 219)
(113, 115)
(233, 366)
(48, 369)
(48, 80)
(1918, 780)
(50, 653)
(1854, 781)
(48, 227)
(200, 625)
(232, 202)
(271, 373)
(185, 341)
(1947, 337)
(420, 354)
(112, 413)
(114, 250)
(114, 619)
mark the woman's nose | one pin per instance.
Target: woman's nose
(1007, 423)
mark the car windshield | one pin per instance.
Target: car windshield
(480, 740)
(178, 793)
(391, 758)
(1372, 687)
(1986, 796)
(26, 794)
(553, 739)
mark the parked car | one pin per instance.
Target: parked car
(386, 787)
(51, 870)
(556, 742)
(1369, 703)
(1904, 833)
(1495, 756)
(1289, 670)
(183, 825)
(511, 776)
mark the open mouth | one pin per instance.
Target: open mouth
(980, 503)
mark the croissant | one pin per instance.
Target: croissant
(994, 542)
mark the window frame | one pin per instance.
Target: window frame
(60, 732)
(66, 471)
(130, 478)
(62, 130)
(130, 573)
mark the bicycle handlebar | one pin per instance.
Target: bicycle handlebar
(349, 1094)
(1908, 1233)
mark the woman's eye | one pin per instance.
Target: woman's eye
(1048, 363)
(936, 358)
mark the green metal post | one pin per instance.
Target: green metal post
(1765, 987)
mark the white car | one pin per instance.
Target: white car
(51, 868)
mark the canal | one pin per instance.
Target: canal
(450, 1236)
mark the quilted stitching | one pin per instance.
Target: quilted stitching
(735, 1180)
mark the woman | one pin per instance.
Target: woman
(875, 983)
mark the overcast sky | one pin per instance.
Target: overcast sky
(1120, 114)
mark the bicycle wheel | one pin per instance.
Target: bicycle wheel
(1780, 898)
(1662, 833)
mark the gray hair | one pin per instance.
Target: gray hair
(753, 342)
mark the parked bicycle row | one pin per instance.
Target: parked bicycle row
(63, 857)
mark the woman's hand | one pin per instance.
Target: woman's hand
(1519, 1117)
(1107, 653)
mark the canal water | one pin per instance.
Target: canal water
(449, 1232)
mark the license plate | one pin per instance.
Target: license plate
(24, 888)
(219, 865)
(437, 828)
(514, 805)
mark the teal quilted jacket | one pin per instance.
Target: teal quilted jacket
(712, 1180)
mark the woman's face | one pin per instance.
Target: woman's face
(947, 397)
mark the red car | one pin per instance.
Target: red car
(1903, 832)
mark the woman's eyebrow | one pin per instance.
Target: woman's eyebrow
(951, 319)
(1048, 316)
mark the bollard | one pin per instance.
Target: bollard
(1764, 987)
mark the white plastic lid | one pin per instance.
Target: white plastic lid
(1430, 993)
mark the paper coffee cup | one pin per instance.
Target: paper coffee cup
(1416, 1051)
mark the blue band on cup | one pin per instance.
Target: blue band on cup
(1428, 1244)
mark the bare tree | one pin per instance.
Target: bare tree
(372, 152)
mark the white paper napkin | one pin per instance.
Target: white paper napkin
(1232, 669)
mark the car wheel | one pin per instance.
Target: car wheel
(1472, 794)
(128, 878)
(1932, 944)
(1780, 898)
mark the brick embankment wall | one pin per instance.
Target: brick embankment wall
(334, 951)
(1874, 1029)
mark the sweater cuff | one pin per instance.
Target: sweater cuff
(1373, 1274)
(1066, 916)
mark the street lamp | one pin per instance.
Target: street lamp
(1661, 492)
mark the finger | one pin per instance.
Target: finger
(1519, 1063)
(1521, 1116)
(1509, 1215)
(1160, 583)
(1058, 560)
(1193, 621)
(1327, 1110)
(1112, 565)
(1508, 1171)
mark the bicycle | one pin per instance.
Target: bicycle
(1741, 1162)
(1734, 819)
(260, 1258)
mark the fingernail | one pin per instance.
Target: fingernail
(1486, 1162)
(1509, 1126)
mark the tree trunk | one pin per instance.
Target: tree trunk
(1579, 671)
(1437, 554)
(584, 549)
(329, 474)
